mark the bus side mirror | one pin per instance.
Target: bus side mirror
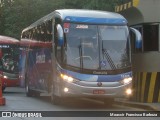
(138, 38)
(60, 35)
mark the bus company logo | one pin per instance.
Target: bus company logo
(100, 72)
(99, 84)
(40, 58)
(103, 63)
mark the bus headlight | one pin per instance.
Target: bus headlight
(5, 77)
(67, 78)
(127, 80)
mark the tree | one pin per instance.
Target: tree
(15, 15)
(2, 18)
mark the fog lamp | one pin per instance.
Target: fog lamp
(129, 91)
(66, 89)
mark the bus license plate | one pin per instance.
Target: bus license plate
(98, 92)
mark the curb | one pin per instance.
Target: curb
(136, 105)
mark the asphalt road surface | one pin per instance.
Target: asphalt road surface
(16, 100)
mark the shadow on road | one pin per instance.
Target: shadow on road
(82, 103)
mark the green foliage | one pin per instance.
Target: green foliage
(15, 15)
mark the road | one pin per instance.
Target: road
(16, 100)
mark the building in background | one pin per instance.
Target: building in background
(144, 15)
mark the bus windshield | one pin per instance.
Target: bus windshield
(97, 47)
(9, 60)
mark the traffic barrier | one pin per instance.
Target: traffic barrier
(2, 99)
(132, 3)
(146, 86)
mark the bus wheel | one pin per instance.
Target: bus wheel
(28, 91)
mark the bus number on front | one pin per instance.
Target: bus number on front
(82, 26)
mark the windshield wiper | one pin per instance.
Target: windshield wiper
(81, 58)
(109, 59)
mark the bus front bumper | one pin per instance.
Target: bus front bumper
(75, 90)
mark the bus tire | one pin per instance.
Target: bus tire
(28, 91)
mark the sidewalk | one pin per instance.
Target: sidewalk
(145, 106)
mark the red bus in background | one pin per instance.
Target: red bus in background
(9, 57)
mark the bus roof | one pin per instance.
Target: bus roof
(88, 13)
(8, 40)
(82, 16)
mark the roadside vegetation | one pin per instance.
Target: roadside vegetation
(15, 15)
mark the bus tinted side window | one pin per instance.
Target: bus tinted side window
(49, 30)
